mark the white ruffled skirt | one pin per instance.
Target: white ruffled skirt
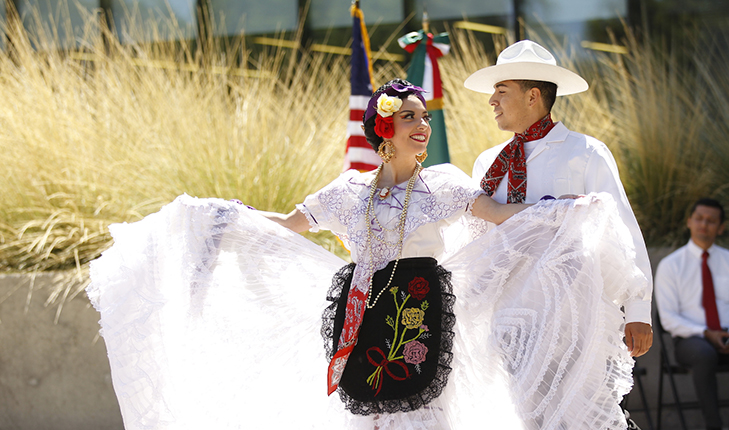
(212, 315)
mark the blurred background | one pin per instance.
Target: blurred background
(112, 108)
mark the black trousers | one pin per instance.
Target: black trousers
(699, 355)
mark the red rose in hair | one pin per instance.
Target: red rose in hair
(418, 288)
(383, 127)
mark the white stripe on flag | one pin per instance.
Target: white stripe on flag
(358, 102)
(354, 128)
(364, 155)
(428, 79)
(442, 47)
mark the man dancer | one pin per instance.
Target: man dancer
(546, 159)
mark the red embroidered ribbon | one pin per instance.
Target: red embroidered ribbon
(708, 299)
(512, 159)
(383, 364)
(353, 315)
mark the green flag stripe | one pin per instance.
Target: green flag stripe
(438, 146)
(416, 71)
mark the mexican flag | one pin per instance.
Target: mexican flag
(424, 72)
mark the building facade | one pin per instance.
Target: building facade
(328, 22)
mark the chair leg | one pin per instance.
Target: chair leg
(678, 402)
(645, 402)
(660, 397)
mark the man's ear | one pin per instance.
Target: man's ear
(721, 229)
(535, 96)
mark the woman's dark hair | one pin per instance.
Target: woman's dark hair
(369, 124)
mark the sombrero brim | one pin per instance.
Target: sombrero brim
(567, 81)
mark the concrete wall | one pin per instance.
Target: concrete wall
(56, 376)
(52, 376)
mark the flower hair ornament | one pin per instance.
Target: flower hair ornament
(387, 104)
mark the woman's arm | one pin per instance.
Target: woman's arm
(295, 220)
(486, 208)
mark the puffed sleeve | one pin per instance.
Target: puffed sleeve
(331, 208)
(601, 175)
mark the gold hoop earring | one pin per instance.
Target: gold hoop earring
(422, 157)
(386, 151)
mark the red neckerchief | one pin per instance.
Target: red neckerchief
(512, 159)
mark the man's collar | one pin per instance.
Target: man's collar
(696, 250)
(557, 134)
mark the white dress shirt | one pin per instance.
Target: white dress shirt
(566, 162)
(679, 289)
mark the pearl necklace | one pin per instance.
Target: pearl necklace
(370, 213)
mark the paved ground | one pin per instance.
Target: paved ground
(55, 376)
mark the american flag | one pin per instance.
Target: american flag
(360, 154)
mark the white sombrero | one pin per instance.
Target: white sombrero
(528, 61)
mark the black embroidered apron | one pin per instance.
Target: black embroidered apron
(403, 353)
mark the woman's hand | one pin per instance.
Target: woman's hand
(488, 209)
(295, 220)
(570, 196)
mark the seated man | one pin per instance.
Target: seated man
(692, 295)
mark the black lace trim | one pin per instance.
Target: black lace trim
(342, 279)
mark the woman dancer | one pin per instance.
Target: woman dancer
(207, 307)
(392, 321)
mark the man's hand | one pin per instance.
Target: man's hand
(639, 338)
(718, 339)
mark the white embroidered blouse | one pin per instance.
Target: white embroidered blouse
(438, 221)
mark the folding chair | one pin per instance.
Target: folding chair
(667, 368)
(670, 369)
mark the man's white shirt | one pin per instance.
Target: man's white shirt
(679, 289)
(566, 162)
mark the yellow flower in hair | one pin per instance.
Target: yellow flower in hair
(388, 105)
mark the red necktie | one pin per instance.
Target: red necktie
(512, 159)
(708, 299)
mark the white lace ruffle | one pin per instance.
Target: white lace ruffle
(211, 317)
(547, 286)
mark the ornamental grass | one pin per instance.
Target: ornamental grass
(113, 131)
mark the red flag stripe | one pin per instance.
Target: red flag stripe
(434, 53)
(362, 167)
(358, 142)
(356, 115)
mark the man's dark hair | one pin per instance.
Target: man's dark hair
(705, 201)
(548, 90)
